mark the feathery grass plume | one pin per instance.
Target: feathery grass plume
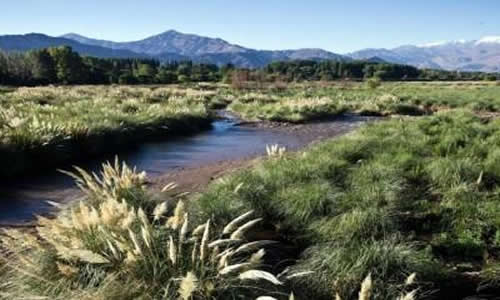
(275, 150)
(128, 220)
(204, 242)
(146, 236)
(172, 252)
(299, 274)
(142, 216)
(94, 243)
(240, 232)
(113, 249)
(256, 258)
(229, 228)
(189, 285)
(168, 187)
(238, 187)
(224, 258)
(222, 242)
(259, 275)
(234, 268)
(408, 296)
(366, 288)
(137, 247)
(159, 211)
(215, 255)
(250, 246)
(183, 232)
(194, 252)
(411, 279)
(198, 230)
(177, 219)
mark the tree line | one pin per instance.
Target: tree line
(61, 65)
(359, 70)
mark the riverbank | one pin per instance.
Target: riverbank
(413, 203)
(191, 162)
(47, 127)
(391, 199)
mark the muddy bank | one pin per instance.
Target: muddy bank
(194, 178)
(191, 162)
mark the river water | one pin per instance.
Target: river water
(21, 200)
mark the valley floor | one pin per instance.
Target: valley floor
(412, 201)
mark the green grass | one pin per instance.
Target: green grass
(395, 197)
(305, 102)
(45, 127)
(51, 126)
(124, 243)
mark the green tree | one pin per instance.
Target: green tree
(166, 76)
(69, 65)
(145, 73)
(43, 67)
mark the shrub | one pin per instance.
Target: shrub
(373, 83)
(118, 245)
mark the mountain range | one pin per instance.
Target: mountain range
(477, 55)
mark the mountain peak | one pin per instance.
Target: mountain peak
(489, 40)
(442, 43)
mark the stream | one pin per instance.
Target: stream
(26, 197)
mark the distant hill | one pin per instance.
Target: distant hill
(37, 41)
(476, 55)
(205, 49)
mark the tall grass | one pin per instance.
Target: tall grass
(396, 197)
(120, 244)
(49, 126)
(305, 102)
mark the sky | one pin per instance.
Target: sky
(336, 25)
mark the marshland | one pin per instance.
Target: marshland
(404, 205)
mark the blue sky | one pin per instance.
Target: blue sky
(339, 26)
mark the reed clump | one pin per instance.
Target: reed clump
(118, 243)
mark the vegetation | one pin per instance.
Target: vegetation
(308, 101)
(397, 197)
(413, 202)
(42, 127)
(61, 65)
(331, 70)
(358, 70)
(50, 126)
(121, 244)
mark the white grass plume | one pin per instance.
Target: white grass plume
(229, 228)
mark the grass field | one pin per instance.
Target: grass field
(47, 126)
(406, 207)
(50, 126)
(396, 197)
(309, 101)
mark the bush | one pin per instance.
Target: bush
(373, 83)
(120, 244)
